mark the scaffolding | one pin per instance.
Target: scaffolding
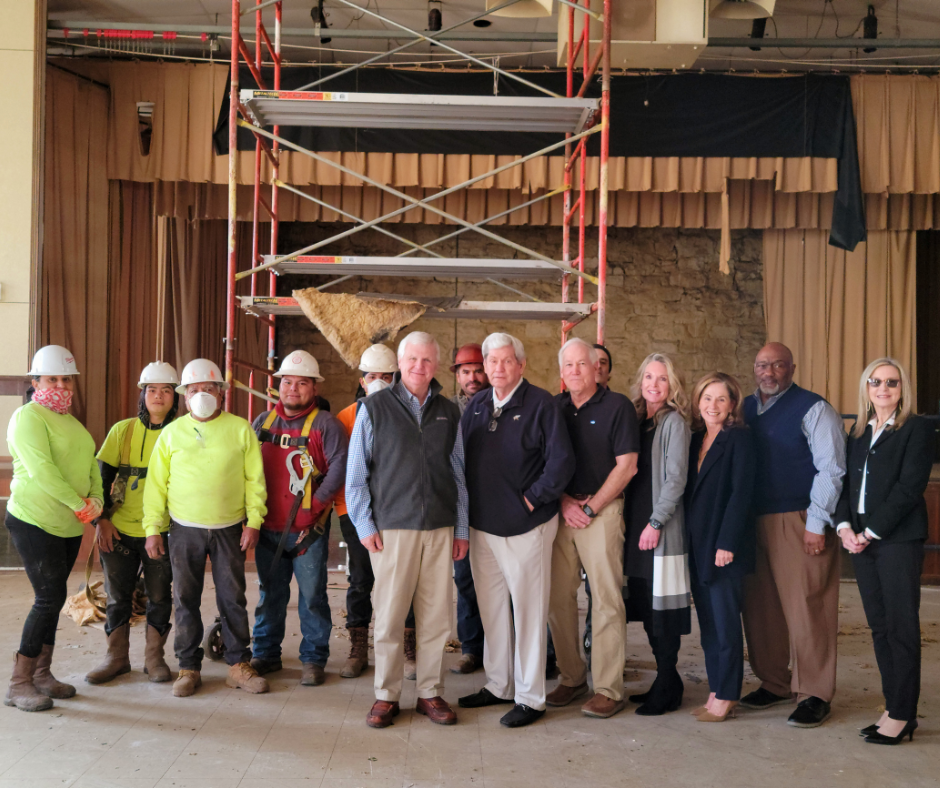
(573, 116)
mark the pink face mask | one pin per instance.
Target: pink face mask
(57, 400)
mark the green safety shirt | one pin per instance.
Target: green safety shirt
(54, 468)
(206, 474)
(129, 517)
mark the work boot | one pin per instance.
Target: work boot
(411, 649)
(243, 676)
(186, 683)
(154, 664)
(45, 682)
(264, 666)
(311, 675)
(358, 653)
(116, 661)
(22, 692)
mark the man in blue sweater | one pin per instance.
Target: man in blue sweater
(519, 462)
(791, 602)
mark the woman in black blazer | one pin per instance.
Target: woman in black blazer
(721, 534)
(882, 519)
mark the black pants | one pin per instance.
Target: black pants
(361, 580)
(48, 560)
(189, 548)
(120, 578)
(718, 605)
(640, 608)
(888, 577)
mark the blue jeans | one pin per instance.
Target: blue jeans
(316, 622)
(469, 625)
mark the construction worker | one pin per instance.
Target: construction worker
(471, 378)
(55, 491)
(378, 365)
(122, 544)
(206, 472)
(297, 434)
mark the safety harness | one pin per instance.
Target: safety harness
(125, 470)
(296, 442)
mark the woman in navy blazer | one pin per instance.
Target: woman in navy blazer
(721, 534)
(882, 519)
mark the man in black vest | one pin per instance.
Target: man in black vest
(406, 495)
(791, 602)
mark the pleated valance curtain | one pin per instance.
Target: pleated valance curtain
(838, 310)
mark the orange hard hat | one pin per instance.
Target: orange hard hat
(468, 354)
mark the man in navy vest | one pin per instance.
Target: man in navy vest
(791, 602)
(407, 497)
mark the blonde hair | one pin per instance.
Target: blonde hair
(677, 400)
(865, 408)
(736, 417)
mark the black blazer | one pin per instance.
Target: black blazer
(718, 503)
(898, 471)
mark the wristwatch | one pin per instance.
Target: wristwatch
(655, 525)
(589, 511)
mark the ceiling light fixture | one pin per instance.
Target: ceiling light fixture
(319, 22)
(742, 9)
(758, 27)
(522, 9)
(435, 20)
(870, 27)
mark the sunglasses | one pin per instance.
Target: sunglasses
(493, 423)
(891, 383)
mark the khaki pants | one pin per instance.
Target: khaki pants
(418, 565)
(599, 549)
(791, 609)
(512, 576)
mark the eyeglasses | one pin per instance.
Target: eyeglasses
(493, 423)
(778, 366)
(891, 383)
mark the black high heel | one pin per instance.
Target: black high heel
(868, 730)
(880, 738)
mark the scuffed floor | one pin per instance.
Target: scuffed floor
(134, 734)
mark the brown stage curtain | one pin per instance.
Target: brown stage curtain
(74, 292)
(839, 310)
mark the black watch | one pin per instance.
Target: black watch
(589, 511)
(656, 525)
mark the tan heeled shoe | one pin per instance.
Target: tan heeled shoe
(707, 716)
(698, 711)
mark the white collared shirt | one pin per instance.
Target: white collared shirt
(502, 403)
(875, 435)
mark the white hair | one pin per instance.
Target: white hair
(418, 338)
(498, 340)
(576, 342)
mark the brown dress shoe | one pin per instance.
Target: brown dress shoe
(381, 714)
(602, 706)
(436, 710)
(562, 695)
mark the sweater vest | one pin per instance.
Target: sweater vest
(785, 469)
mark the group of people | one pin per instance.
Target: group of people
(736, 504)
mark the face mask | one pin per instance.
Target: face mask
(202, 404)
(57, 400)
(376, 385)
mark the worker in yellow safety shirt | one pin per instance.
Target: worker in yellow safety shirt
(122, 543)
(55, 492)
(206, 472)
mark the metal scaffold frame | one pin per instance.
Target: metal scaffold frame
(266, 105)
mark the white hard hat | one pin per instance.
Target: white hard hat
(53, 360)
(158, 372)
(301, 364)
(201, 370)
(378, 358)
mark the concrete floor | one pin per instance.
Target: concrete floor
(134, 734)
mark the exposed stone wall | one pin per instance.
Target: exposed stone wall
(664, 293)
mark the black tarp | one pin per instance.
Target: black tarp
(653, 115)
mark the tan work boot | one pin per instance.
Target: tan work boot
(154, 664)
(22, 692)
(358, 653)
(243, 676)
(187, 683)
(116, 661)
(45, 682)
(411, 650)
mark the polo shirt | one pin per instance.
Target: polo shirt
(602, 429)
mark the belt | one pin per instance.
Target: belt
(585, 496)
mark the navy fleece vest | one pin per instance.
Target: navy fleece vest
(785, 469)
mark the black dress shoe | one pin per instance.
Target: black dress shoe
(521, 715)
(480, 699)
(868, 730)
(880, 738)
(810, 713)
(763, 699)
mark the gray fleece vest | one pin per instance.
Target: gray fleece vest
(410, 478)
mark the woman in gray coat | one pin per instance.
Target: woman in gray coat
(655, 551)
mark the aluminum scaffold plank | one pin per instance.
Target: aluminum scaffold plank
(465, 268)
